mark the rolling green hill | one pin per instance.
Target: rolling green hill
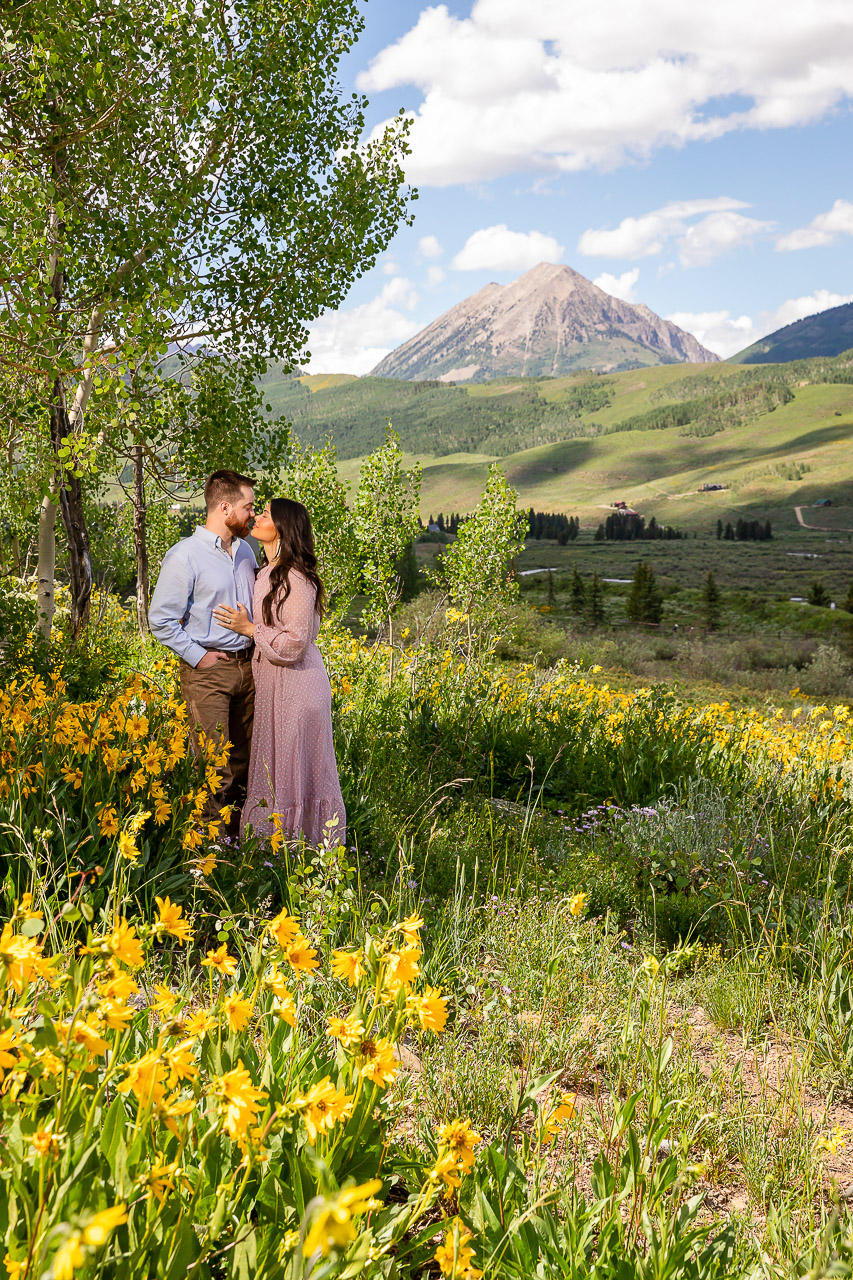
(778, 436)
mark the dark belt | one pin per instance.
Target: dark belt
(239, 655)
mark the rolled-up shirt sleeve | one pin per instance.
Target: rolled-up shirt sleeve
(285, 642)
(170, 606)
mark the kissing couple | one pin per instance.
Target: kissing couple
(251, 673)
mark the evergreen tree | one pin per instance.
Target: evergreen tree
(577, 594)
(818, 595)
(645, 602)
(719, 530)
(729, 534)
(711, 602)
(596, 600)
(848, 603)
(600, 535)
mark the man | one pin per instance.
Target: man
(214, 566)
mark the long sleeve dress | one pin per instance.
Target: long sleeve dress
(292, 771)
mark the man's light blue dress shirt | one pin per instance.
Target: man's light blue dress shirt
(197, 575)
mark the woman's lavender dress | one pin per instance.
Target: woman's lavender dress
(292, 771)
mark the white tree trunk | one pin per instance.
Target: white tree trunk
(46, 565)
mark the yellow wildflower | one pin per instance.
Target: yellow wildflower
(162, 810)
(159, 1180)
(322, 1107)
(181, 1063)
(577, 904)
(237, 1012)
(559, 1117)
(124, 944)
(45, 1140)
(220, 960)
(116, 1014)
(348, 1030)
(402, 968)
(285, 1008)
(301, 955)
(119, 987)
(332, 1227)
(455, 1257)
(377, 1061)
(199, 1023)
(348, 966)
(284, 928)
(239, 1101)
(410, 928)
(100, 1227)
(127, 847)
(169, 918)
(68, 1258)
(430, 1009)
(460, 1139)
(166, 1000)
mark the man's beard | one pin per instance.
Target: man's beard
(239, 525)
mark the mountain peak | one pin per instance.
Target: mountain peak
(548, 322)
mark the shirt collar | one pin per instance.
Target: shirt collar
(213, 539)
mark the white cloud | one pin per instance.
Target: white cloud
(390, 269)
(716, 234)
(799, 308)
(726, 334)
(822, 230)
(556, 87)
(429, 247)
(619, 286)
(719, 331)
(356, 339)
(435, 275)
(499, 249)
(719, 230)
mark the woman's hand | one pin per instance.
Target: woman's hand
(235, 619)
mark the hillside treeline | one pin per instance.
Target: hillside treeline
(631, 528)
(552, 524)
(745, 531)
(705, 415)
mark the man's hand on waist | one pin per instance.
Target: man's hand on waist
(210, 659)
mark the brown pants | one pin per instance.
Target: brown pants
(221, 702)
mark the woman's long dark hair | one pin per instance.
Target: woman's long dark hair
(296, 551)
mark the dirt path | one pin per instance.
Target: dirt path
(821, 528)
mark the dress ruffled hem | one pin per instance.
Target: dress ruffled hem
(316, 820)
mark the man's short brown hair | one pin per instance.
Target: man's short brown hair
(225, 486)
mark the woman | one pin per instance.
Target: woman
(292, 770)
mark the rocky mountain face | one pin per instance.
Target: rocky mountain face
(548, 322)
(826, 334)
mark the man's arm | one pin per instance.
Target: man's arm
(169, 606)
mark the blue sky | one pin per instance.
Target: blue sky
(692, 158)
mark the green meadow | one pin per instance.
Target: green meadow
(656, 471)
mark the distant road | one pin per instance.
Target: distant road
(821, 528)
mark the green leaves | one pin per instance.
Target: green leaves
(385, 517)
